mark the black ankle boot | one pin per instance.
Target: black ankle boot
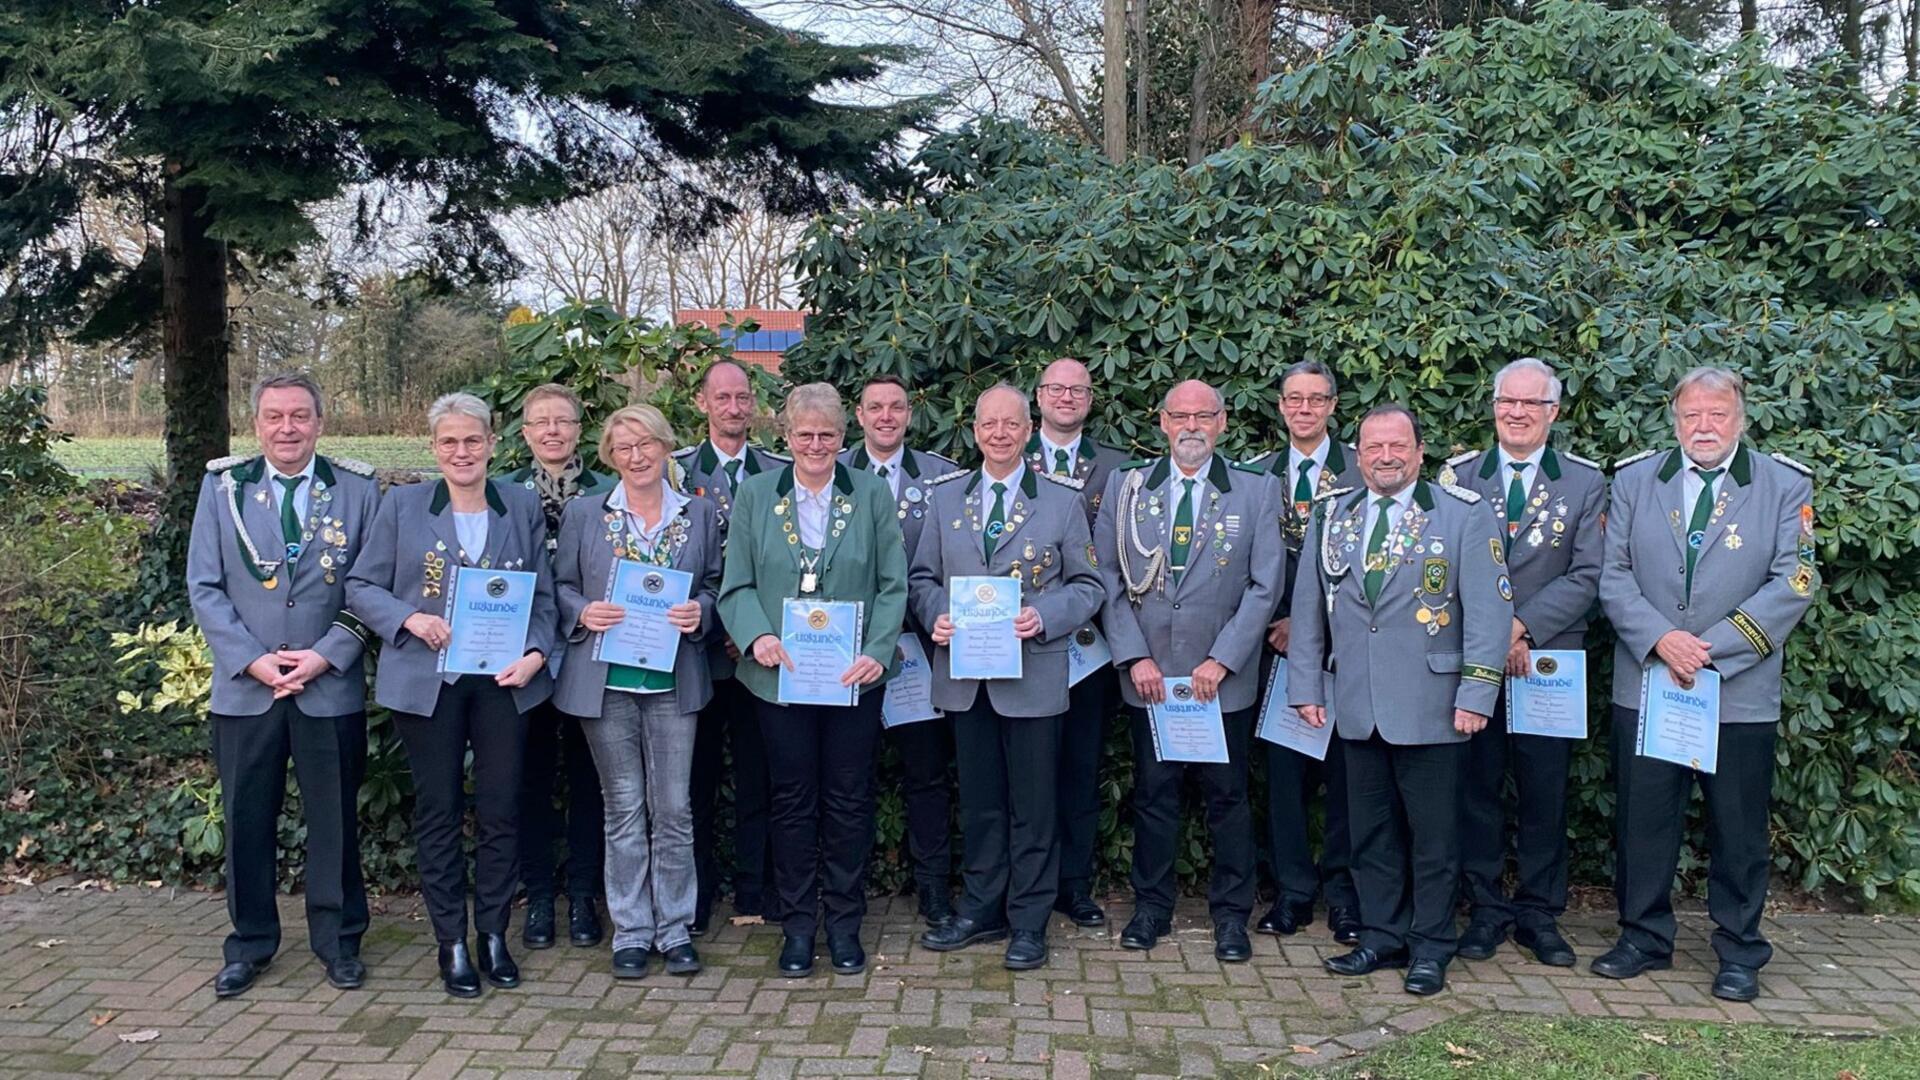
(457, 972)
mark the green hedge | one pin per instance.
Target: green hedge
(1586, 187)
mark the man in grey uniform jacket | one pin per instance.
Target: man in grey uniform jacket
(273, 536)
(1005, 520)
(926, 749)
(714, 468)
(1192, 565)
(1406, 591)
(1709, 564)
(1548, 503)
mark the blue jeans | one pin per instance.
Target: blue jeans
(643, 749)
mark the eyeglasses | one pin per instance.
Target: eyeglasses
(1074, 393)
(1318, 401)
(1524, 403)
(995, 426)
(621, 450)
(550, 425)
(472, 444)
(1180, 419)
(812, 438)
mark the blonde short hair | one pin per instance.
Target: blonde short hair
(458, 404)
(645, 417)
(551, 390)
(816, 399)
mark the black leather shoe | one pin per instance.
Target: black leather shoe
(1480, 941)
(847, 955)
(1144, 931)
(1027, 950)
(1547, 946)
(583, 923)
(234, 979)
(456, 971)
(701, 920)
(1425, 977)
(630, 963)
(346, 973)
(1364, 961)
(796, 957)
(682, 960)
(537, 932)
(1345, 924)
(1625, 960)
(1285, 918)
(936, 908)
(959, 933)
(496, 963)
(1231, 944)
(1736, 982)
(1079, 907)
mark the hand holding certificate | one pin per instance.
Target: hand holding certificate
(645, 638)
(487, 613)
(822, 640)
(1280, 723)
(1552, 699)
(1186, 729)
(984, 644)
(1679, 724)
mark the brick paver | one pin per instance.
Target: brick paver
(88, 970)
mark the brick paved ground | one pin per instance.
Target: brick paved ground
(87, 969)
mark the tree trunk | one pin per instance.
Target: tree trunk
(194, 300)
(1201, 97)
(1140, 145)
(1749, 16)
(1850, 35)
(1113, 89)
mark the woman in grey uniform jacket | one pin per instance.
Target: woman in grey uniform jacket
(399, 588)
(640, 723)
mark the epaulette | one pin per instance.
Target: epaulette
(1063, 481)
(1334, 494)
(1462, 459)
(1641, 456)
(685, 450)
(1792, 464)
(1246, 466)
(1136, 463)
(946, 476)
(222, 464)
(1463, 494)
(1578, 460)
(353, 465)
(1253, 464)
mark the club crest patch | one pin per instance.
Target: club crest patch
(1434, 575)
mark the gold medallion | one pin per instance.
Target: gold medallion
(271, 583)
(1423, 616)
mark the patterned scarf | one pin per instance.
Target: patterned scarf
(554, 491)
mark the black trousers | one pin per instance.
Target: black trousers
(473, 712)
(730, 725)
(329, 758)
(1650, 821)
(1540, 826)
(822, 810)
(1010, 865)
(1404, 806)
(1293, 779)
(1083, 731)
(926, 785)
(554, 739)
(1156, 822)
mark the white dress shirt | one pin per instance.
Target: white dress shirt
(1319, 462)
(1012, 482)
(1176, 487)
(302, 494)
(1048, 448)
(1399, 510)
(892, 465)
(811, 510)
(1690, 483)
(670, 503)
(471, 531)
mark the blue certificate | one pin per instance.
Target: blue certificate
(1678, 725)
(1552, 699)
(487, 611)
(1087, 652)
(644, 638)
(909, 697)
(1186, 730)
(822, 637)
(1280, 723)
(984, 645)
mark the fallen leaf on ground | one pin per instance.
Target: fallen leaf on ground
(143, 1035)
(1845, 1074)
(918, 1049)
(746, 920)
(49, 943)
(1460, 1051)
(1303, 1048)
(104, 1018)
(1652, 1037)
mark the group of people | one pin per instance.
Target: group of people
(1400, 605)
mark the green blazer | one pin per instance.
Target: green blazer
(591, 482)
(865, 561)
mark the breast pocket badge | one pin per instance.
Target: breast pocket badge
(1433, 575)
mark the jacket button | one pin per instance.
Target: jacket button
(289, 601)
(1176, 607)
(1676, 607)
(1373, 629)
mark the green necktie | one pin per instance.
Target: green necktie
(1303, 491)
(1376, 544)
(997, 518)
(289, 517)
(1182, 529)
(1516, 501)
(1060, 463)
(1697, 527)
(733, 474)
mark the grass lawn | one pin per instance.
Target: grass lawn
(1492, 1046)
(137, 458)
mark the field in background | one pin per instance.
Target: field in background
(139, 458)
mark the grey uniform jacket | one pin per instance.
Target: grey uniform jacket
(1340, 470)
(1752, 580)
(1220, 607)
(1554, 558)
(582, 570)
(1436, 638)
(1047, 546)
(919, 468)
(700, 474)
(248, 608)
(1094, 463)
(389, 582)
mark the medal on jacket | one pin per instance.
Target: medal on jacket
(265, 571)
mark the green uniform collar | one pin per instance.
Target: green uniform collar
(908, 463)
(1029, 483)
(1085, 449)
(1422, 495)
(1739, 467)
(1217, 473)
(842, 480)
(441, 496)
(1490, 462)
(709, 458)
(1336, 462)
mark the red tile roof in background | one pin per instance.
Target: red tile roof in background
(778, 329)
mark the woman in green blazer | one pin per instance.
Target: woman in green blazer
(817, 530)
